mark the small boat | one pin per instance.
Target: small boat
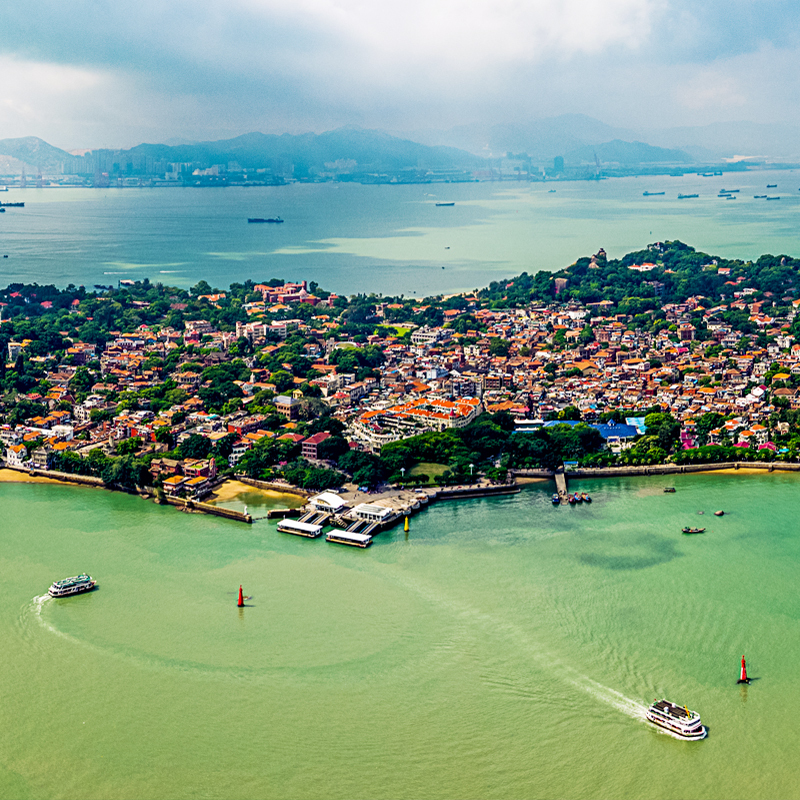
(571, 500)
(669, 489)
(69, 586)
(551, 191)
(652, 194)
(556, 500)
(585, 497)
(440, 205)
(578, 497)
(273, 220)
(719, 513)
(693, 530)
(678, 720)
(687, 196)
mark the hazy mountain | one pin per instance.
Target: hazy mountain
(542, 139)
(34, 153)
(370, 150)
(728, 139)
(627, 153)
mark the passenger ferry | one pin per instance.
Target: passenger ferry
(678, 720)
(76, 585)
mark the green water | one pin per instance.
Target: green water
(390, 239)
(503, 648)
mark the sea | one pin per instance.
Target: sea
(386, 239)
(501, 648)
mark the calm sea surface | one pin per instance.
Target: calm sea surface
(386, 239)
(503, 648)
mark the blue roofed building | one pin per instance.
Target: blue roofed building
(616, 435)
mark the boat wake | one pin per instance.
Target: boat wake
(36, 607)
(628, 706)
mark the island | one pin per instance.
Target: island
(666, 356)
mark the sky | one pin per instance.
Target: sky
(92, 73)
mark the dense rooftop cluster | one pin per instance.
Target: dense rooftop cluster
(664, 354)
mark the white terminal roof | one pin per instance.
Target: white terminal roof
(328, 500)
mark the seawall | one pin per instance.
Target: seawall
(274, 486)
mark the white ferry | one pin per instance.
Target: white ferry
(678, 720)
(76, 585)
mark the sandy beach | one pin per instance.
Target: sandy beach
(230, 490)
(13, 476)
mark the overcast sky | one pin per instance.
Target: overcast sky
(92, 73)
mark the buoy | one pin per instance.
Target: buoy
(405, 527)
(241, 598)
(743, 678)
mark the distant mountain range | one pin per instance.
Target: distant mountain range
(575, 137)
(547, 138)
(626, 153)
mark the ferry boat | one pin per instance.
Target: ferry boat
(76, 585)
(678, 720)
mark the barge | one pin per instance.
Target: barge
(349, 537)
(309, 530)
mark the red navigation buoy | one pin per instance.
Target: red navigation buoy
(241, 604)
(743, 678)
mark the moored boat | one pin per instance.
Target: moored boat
(678, 720)
(556, 500)
(693, 530)
(585, 497)
(669, 489)
(70, 586)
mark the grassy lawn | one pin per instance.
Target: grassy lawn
(401, 331)
(429, 468)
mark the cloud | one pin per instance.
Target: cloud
(213, 68)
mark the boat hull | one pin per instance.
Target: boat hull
(701, 732)
(68, 592)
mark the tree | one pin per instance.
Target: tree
(499, 347)
(283, 381)
(195, 446)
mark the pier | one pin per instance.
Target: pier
(561, 484)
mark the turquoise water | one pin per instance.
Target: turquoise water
(503, 648)
(386, 239)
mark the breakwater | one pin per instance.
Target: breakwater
(456, 492)
(207, 508)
